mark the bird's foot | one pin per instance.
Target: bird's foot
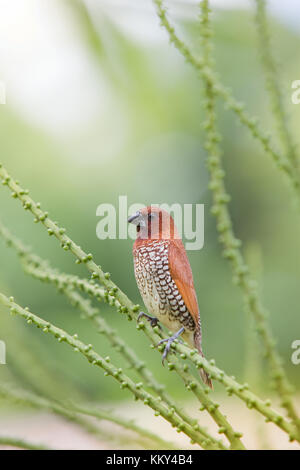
(153, 320)
(169, 342)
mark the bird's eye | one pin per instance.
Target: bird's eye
(150, 216)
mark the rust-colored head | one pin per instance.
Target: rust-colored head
(153, 223)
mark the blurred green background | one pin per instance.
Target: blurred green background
(127, 121)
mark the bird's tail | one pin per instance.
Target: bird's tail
(203, 374)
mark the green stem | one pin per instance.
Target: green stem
(95, 359)
(103, 415)
(69, 409)
(272, 82)
(208, 404)
(232, 387)
(196, 387)
(40, 269)
(231, 103)
(126, 306)
(43, 403)
(231, 244)
(20, 443)
(103, 328)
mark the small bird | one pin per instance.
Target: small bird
(165, 280)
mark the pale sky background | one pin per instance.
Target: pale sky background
(45, 67)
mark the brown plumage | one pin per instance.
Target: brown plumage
(164, 277)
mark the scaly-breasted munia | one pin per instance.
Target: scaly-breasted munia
(164, 278)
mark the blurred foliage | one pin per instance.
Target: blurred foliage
(149, 147)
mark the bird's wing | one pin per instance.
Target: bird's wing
(181, 273)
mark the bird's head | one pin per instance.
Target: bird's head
(154, 223)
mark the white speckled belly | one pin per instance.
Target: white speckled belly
(158, 290)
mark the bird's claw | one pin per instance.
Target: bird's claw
(167, 348)
(169, 342)
(153, 320)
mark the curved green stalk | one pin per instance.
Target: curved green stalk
(69, 409)
(230, 244)
(54, 407)
(20, 443)
(135, 363)
(242, 391)
(65, 283)
(103, 415)
(237, 107)
(272, 82)
(232, 386)
(137, 390)
(126, 306)
(112, 294)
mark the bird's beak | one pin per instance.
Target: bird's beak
(135, 218)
